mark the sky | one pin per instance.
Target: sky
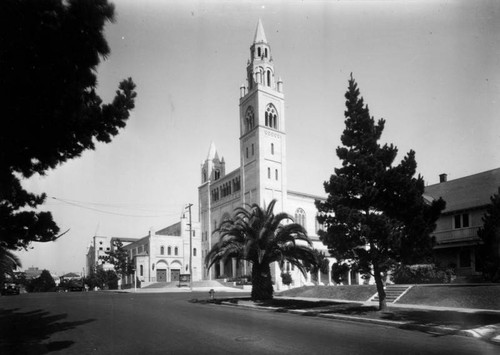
(431, 69)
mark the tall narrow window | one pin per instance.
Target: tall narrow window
(272, 116)
(249, 119)
(272, 148)
(265, 52)
(268, 78)
(253, 150)
(300, 217)
(259, 53)
(141, 268)
(276, 174)
(247, 152)
(268, 173)
(176, 251)
(169, 251)
(194, 251)
(162, 250)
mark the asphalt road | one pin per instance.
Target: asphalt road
(126, 323)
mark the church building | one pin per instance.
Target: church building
(262, 175)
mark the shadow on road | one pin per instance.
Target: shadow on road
(26, 332)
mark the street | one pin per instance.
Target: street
(167, 323)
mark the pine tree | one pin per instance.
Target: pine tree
(50, 110)
(375, 212)
(489, 250)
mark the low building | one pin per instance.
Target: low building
(456, 230)
(160, 256)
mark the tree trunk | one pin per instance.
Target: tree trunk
(380, 288)
(262, 286)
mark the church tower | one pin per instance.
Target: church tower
(262, 128)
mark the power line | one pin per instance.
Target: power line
(81, 205)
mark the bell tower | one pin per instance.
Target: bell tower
(262, 128)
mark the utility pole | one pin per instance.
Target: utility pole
(190, 248)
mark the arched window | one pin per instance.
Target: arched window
(276, 174)
(300, 217)
(169, 251)
(249, 119)
(265, 52)
(176, 251)
(162, 250)
(268, 78)
(259, 53)
(272, 148)
(271, 116)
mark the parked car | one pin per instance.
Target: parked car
(11, 289)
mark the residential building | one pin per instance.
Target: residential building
(262, 175)
(456, 231)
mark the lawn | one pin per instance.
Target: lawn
(479, 296)
(455, 295)
(352, 293)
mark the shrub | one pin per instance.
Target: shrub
(286, 278)
(422, 274)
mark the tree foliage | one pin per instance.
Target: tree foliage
(118, 257)
(43, 283)
(260, 237)
(8, 264)
(375, 212)
(489, 249)
(102, 279)
(51, 111)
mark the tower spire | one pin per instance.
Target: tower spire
(260, 36)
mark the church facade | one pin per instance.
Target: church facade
(261, 176)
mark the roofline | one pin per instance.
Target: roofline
(464, 177)
(303, 194)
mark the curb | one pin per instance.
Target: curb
(489, 333)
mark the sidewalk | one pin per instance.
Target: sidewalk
(403, 316)
(184, 289)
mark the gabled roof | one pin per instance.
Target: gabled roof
(260, 36)
(467, 192)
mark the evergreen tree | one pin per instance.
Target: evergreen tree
(489, 250)
(375, 212)
(50, 110)
(118, 257)
(43, 283)
(8, 264)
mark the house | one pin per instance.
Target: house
(456, 230)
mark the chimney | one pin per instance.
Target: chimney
(443, 178)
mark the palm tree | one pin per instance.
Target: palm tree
(8, 263)
(258, 236)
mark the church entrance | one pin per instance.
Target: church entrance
(174, 275)
(161, 275)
